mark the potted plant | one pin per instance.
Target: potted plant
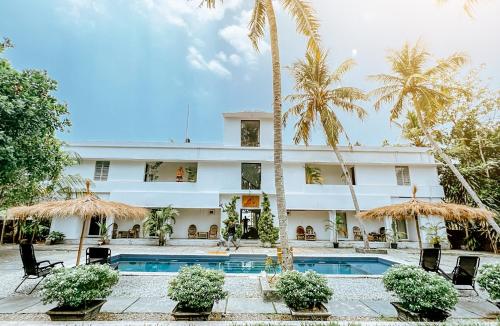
(79, 292)
(423, 296)
(196, 289)
(334, 226)
(103, 232)
(489, 280)
(268, 233)
(160, 223)
(304, 294)
(434, 232)
(54, 237)
(393, 237)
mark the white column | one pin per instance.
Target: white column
(109, 222)
(331, 218)
(388, 225)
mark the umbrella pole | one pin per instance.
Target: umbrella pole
(80, 245)
(418, 231)
(3, 230)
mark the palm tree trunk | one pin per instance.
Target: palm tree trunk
(455, 171)
(278, 138)
(353, 194)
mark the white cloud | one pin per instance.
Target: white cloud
(237, 36)
(197, 61)
(235, 59)
(82, 11)
(222, 56)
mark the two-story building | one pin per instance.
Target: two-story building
(197, 179)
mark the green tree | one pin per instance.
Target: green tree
(30, 116)
(307, 25)
(415, 86)
(268, 233)
(317, 96)
(232, 216)
(160, 222)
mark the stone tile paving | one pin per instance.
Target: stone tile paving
(237, 305)
(152, 304)
(350, 308)
(12, 305)
(118, 304)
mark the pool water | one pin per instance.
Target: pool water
(253, 264)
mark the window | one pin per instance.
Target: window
(403, 175)
(94, 227)
(342, 224)
(250, 175)
(250, 133)
(399, 227)
(352, 175)
(101, 170)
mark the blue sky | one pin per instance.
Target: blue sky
(128, 69)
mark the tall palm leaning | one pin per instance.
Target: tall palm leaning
(316, 98)
(414, 85)
(307, 24)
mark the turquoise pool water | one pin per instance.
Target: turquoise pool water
(253, 264)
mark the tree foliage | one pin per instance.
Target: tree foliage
(31, 156)
(268, 233)
(232, 216)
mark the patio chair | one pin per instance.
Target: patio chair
(134, 231)
(310, 233)
(34, 269)
(464, 273)
(301, 233)
(356, 231)
(382, 234)
(99, 255)
(192, 232)
(429, 260)
(213, 232)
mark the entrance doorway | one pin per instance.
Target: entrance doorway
(249, 219)
(94, 226)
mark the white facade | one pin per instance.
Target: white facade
(218, 178)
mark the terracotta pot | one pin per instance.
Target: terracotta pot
(319, 313)
(180, 314)
(404, 314)
(68, 313)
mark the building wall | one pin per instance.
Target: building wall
(199, 217)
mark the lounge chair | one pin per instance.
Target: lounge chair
(464, 273)
(356, 231)
(213, 232)
(34, 269)
(192, 232)
(99, 255)
(134, 231)
(310, 233)
(301, 233)
(429, 260)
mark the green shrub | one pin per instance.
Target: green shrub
(420, 291)
(267, 231)
(489, 280)
(196, 288)
(74, 287)
(303, 290)
(56, 236)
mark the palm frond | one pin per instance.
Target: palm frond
(305, 19)
(343, 68)
(257, 23)
(453, 62)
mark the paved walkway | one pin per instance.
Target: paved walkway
(354, 298)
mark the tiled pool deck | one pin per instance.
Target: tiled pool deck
(143, 296)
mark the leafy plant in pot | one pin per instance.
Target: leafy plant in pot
(268, 233)
(489, 280)
(335, 227)
(304, 294)
(79, 292)
(393, 236)
(104, 232)
(434, 232)
(196, 289)
(423, 296)
(54, 238)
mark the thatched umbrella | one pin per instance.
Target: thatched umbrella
(84, 207)
(413, 208)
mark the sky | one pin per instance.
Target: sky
(128, 69)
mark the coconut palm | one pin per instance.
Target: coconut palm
(315, 101)
(413, 85)
(307, 24)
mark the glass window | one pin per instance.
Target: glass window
(399, 226)
(250, 133)
(101, 170)
(250, 175)
(342, 224)
(403, 175)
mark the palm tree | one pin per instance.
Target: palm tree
(316, 97)
(307, 25)
(160, 221)
(414, 85)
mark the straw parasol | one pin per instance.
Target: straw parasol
(413, 208)
(85, 207)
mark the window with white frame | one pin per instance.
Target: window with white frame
(101, 170)
(403, 175)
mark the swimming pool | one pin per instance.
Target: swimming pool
(253, 264)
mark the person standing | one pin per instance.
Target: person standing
(231, 235)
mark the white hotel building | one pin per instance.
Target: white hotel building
(145, 174)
